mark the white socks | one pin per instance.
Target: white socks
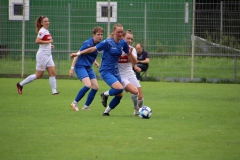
(53, 84)
(140, 103)
(75, 102)
(106, 93)
(52, 81)
(28, 79)
(107, 110)
(134, 98)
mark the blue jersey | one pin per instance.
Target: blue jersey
(112, 50)
(87, 59)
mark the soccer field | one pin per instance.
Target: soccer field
(189, 121)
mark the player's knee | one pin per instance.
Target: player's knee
(95, 87)
(88, 85)
(135, 92)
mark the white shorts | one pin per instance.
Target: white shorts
(44, 61)
(133, 80)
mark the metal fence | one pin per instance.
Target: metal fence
(188, 40)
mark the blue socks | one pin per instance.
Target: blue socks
(113, 91)
(90, 97)
(81, 93)
(115, 101)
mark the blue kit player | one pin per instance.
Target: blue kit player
(83, 69)
(112, 49)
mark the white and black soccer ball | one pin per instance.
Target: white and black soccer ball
(145, 112)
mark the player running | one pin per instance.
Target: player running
(130, 82)
(83, 68)
(43, 57)
(112, 48)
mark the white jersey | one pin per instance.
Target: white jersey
(44, 54)
(125, 68)
(44, 35)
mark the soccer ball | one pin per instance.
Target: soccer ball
(145, 112)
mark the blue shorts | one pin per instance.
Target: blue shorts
(84, 71)
(110, 78)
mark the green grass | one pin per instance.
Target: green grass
(189, 121)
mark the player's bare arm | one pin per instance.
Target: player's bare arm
(96, 64)
(40, 41)
(137, 69)
(71, 71)
(86, 51)
(132, 58)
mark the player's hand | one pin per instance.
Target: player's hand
(140, 70)
(52, 46)
(73, 55)
(137, 69)
(96, 64)
(130, 50)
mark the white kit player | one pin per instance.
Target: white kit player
(128, 77)
(43, 57)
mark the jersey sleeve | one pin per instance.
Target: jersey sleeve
(85, 45)
(102, 45)
(41, 33)
(134, 52)
(125, 47)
